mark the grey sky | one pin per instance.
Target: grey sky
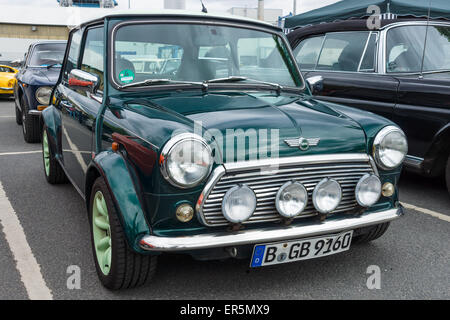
(212, 5)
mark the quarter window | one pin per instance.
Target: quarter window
(94, 54)
(368, 63)
(342, 51)
(307, 52)
(74, 52)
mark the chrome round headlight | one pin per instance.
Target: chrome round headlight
(327, 195)
(368, 190)
(390, 147)
(291, 199)
(238, 204)
(186, 160)
(43, 95)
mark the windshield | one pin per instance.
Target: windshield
(405, 48)
(47, 54)
(198, 53)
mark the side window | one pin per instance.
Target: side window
(342, 51)
(307, 53)
(368, 63)
(405, 49)
(93, 55)
(74, 52)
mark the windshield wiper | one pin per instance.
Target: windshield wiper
(53, 65)
(228, 79)
(276, 86)
(150, 82)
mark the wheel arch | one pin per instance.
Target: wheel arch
(52, 120)
(115, 171)
(436, 157)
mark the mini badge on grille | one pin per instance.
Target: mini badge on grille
(302, 143)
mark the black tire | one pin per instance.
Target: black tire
(128, 269)
(30, 124)
(372, 233)
(18, 115)
(447, 174)
(56, 174)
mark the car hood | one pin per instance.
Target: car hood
(41, 76)
(265, 120)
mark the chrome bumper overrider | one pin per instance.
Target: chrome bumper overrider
(34, 112)
(272, 234)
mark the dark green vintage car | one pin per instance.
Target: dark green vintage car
(223, 154)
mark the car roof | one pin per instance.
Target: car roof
(48, 42)
(346, 25)
(179, 14)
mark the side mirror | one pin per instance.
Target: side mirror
(83, 81)
(315, 84)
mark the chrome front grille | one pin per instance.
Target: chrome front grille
(308, 170)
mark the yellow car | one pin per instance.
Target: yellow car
(7, 80)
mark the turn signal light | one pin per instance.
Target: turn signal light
(40, 108)
(115, 146)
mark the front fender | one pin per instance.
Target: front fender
(115, 171)
(52, 120)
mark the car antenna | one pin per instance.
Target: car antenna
(425, 43)
(204, 10)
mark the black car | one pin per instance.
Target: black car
(390, 70)
(34, 85)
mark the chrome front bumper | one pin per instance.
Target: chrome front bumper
(7, 89)
(244, 237)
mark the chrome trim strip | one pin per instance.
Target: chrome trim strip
(273, 234)
(273, 163)
(7, 89)
(215, 177)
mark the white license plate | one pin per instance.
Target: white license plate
(302, 249)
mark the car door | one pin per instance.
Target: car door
(347, 62)
(423, 107)
(79, 108)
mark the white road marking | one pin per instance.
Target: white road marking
(427, 211)
(7, 116)
(26, 264)
(19, 153)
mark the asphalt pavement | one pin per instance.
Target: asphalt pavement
(413, 256)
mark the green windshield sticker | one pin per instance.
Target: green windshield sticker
(126, 76)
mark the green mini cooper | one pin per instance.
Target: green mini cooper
(217, 149)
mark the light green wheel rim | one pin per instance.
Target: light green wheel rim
(46, 152)
(102, 232)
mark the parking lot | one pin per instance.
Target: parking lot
(413, 255)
